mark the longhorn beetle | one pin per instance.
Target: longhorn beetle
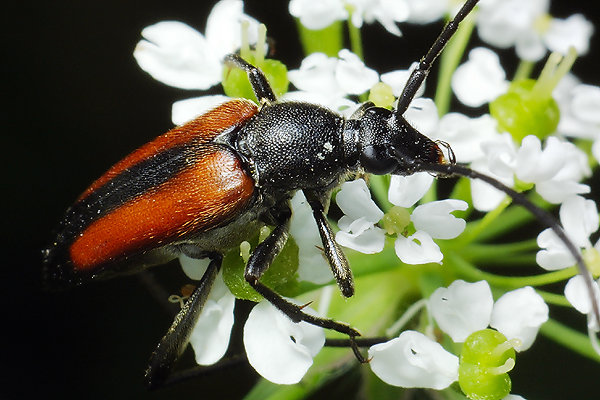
(201, 188)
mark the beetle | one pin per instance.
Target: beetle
(203, 187)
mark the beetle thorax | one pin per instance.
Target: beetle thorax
(293, 145)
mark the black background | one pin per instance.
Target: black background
(75, 103)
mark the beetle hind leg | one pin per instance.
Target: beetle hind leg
(177, 337)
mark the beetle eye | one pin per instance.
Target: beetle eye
(377, 160)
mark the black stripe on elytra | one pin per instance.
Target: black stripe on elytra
(135, 181)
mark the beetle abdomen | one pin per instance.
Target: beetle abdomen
(174, 187)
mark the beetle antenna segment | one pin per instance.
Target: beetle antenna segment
(542, 215)
(420, 73)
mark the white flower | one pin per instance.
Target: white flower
(357, 226)
(386, 12)
(464, 308)
(579, 218)
(178, 55)
(414, 360)
(317, 15)
(528, 26)
(575, 31)
(426, 11)
(277, 348)
(577, 294)
(188, 109)
(466, 135)
(333, 78)
(479, 80)
(431, 220)
(210, 336)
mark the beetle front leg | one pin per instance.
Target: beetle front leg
(336, 257)
(259, 262)
(260, 85)
(177, 337)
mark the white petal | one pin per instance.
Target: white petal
(427, 11)
(279, 349)
(194, 268)
(579, 218)
(554, 255)
(578, 295)
(210, 336)
(317, 15)
(178, 55)
(481, 79)
(339, 104)
(435, 218)
(352, 75)
(535, 165)
(414, 360)
(485, 197)
(586, 103)
(529, 46)
(519, 314)
(574, 31)
(465, 134)
(405, 191)
(354, 199)
(317, 74)
(369, 241)
(462, 308)
(514, 397)
(422, 115)
(312, 264)
(188, 109)
(224, 27)
(556, 191)
(418, 248)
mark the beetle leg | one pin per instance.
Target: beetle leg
(260, 85)
(259, 262)
(177, 337)
(337, 259)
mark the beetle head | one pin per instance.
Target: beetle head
(389, 144)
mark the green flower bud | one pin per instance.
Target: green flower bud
(528, 107)
(485, 360)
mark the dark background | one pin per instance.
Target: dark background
(75, 103)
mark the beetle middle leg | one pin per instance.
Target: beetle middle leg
(259, 262)
(177, 337)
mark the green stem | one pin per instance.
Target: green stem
(355, 39)
(472, 273)
(523, 70)
(449, 61)
(569, 338)
(476, 228)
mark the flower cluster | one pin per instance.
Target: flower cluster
(541, 136)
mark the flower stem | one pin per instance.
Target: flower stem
(471, 272)
(569, 338)
(355, 39)
(449, 61)
(523, 70)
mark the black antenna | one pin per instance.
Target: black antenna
(420, 73)
(447, 170)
